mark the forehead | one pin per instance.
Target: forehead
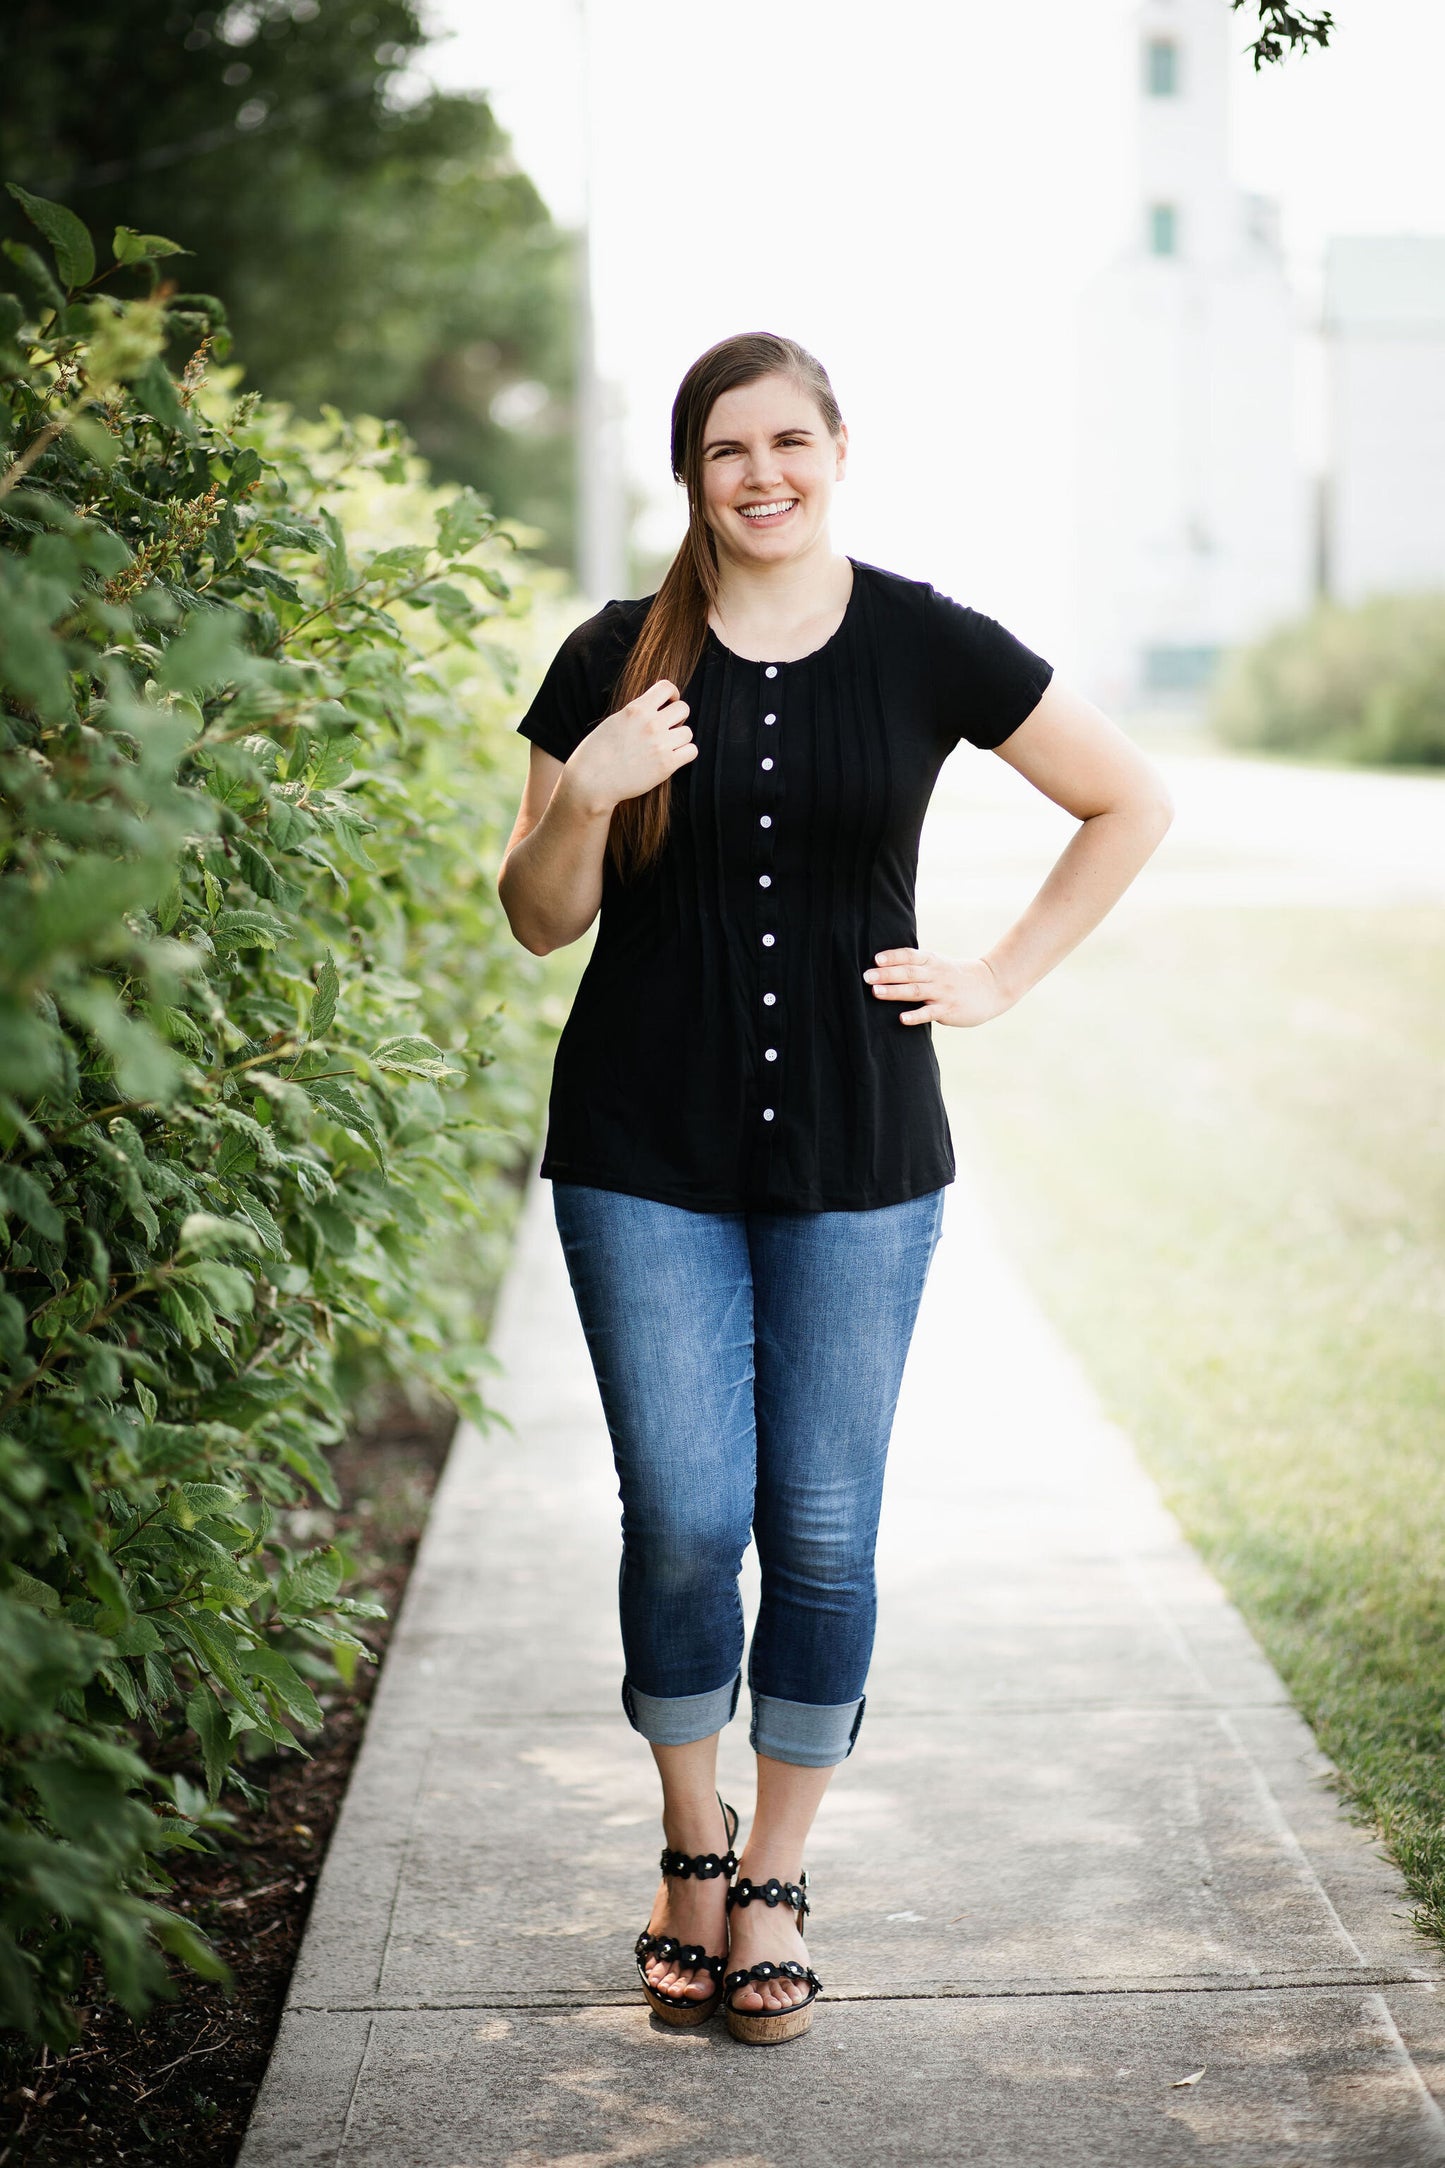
(768, 406)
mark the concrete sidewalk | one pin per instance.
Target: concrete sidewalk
(1084, 1849)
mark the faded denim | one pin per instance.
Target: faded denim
(749, 1365)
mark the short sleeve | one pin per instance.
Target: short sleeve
(983, 680)
(565, 707)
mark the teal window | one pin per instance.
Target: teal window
(1161, 67)
(1179, 669)
(1163, 230)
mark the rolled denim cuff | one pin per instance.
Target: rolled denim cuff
(678, 1719)
(812, 1734)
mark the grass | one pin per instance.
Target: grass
(1218, 1147)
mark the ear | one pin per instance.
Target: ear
(841, 440)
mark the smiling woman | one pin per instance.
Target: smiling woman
(747, 1139)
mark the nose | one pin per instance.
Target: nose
(763, 468)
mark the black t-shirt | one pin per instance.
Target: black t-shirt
(724, 1051)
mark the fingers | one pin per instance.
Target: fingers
(905, 975)
(901, 974)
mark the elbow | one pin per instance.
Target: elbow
(527, 935)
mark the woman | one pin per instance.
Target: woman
(747, 1141)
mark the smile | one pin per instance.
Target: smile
(761, 513)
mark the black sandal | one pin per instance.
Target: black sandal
(705, 1867)
(762, 2026)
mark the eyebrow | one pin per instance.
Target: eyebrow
(796, 429)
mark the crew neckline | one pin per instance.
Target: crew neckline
(751, 662)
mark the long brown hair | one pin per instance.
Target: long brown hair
(671, 641)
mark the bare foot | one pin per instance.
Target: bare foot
(759, 1931)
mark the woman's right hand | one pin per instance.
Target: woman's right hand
(631, 752)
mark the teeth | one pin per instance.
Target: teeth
(765, 511)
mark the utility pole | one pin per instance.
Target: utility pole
(601, 485)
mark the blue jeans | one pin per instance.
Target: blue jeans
(749, 1366)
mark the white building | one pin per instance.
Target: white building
(1384, 323)
(1194, 528)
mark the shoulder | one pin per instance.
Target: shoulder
(917, 599)
(891, 590)
(608, 632)
(902, 606)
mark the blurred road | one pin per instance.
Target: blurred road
(1246, 832)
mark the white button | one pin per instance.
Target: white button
(770, 1053)
(767, 1114)
(768, 1000)
(770, 718)
(767, 764)
(768, 940)
(771, 671)
(765, 880)
(766, 821)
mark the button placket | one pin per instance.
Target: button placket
(767, 778)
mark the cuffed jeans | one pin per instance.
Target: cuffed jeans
(749, 1365)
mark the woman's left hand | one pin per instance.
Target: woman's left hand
(949, 992)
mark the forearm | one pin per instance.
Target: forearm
(1090, 876)
(550, 883)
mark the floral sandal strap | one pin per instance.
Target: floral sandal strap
(772, 1893)
(767, 1970)
(687, 1956)
(705, 1866)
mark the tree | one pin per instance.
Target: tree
(1284, 29)
(378, 246)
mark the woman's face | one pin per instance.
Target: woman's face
(769, 466)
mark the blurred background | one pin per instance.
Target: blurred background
(1143, 351)
(1141, 348)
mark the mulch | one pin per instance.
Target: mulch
(178, 2088)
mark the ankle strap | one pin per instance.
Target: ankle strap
(772, 1893)
(705, 1865)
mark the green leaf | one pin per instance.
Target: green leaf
(37, 274)
(12, 1329)
(218, 1646)
(338, 565)
(203, 1234)
(207, 654)
(462, 523)
(132, 247)
(406, 557)
(73, 247)
(311, 1584)
(291, 1690)
(410, 1056)
(328, 989)
(39, 1594)
(185, 1940)
(23, 1195)
(247, 929)
(155, 388)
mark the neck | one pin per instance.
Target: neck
(773, 598)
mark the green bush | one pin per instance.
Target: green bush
(1364, 685)
(254, 1127)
